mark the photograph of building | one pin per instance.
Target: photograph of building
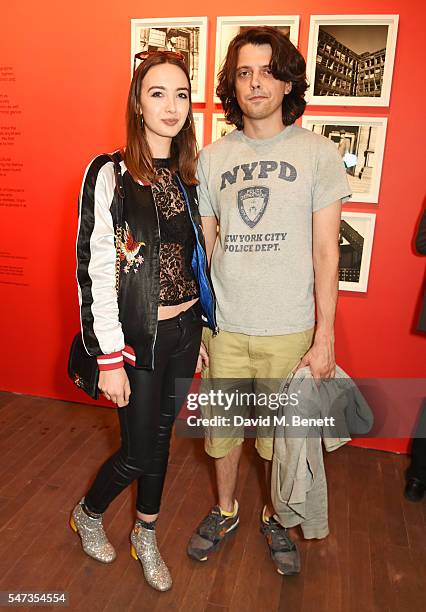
(356, 241)
(188, 37)
(351, 246)
(350, 60)
(360, 142)
(199, 128)
(219, 126)
(184, 40)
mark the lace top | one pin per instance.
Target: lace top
(177, 239)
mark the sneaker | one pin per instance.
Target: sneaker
(211, 532)
(414, 489)
(284, 552)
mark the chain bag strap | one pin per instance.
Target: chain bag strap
(118, 237)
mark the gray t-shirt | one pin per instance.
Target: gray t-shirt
(263, 194)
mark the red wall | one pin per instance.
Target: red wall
(71, 62)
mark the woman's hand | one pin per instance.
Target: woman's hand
(115, 385)
(203, 359)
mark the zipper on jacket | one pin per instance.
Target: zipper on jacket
(159, 247)
(213, 301)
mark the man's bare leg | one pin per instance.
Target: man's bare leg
(226, 478)
(269, 508)
(216, 526)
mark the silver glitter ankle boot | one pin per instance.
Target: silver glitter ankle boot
(144, 548)
(92, 534)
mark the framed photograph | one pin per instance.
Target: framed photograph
(188, 35)
(199, 129)
(350, 59)
(361, 143)
(228, 27)
(356, 243)
(220, 127)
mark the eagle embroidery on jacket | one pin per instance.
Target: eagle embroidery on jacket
(130, 251)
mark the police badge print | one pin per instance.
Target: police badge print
(252, 203)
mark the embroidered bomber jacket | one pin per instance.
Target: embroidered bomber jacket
(116, 327)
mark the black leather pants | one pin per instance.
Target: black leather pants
(146, 422)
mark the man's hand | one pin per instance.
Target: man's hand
(115, 385)
(320, 358)
(203, 359)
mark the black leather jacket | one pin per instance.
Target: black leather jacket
(110, 322)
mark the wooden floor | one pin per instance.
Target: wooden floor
(374, 558)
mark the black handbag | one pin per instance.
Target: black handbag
(82, 367)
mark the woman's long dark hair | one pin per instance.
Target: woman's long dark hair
(287, 64)
(137, 155)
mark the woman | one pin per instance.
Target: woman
(149, 335)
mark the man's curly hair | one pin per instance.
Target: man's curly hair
(287, 64)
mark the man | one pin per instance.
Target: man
(275, 191)
(416, 474)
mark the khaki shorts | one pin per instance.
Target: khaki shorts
(239, 357)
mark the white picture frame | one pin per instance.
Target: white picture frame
(228, 27)
(199, 129)
(188, 35)
(219, 126)
(351, 59)
(361, 142)
(356, 244)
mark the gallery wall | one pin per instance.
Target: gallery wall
(64, 75)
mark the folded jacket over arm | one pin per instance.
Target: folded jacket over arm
(298, 484)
